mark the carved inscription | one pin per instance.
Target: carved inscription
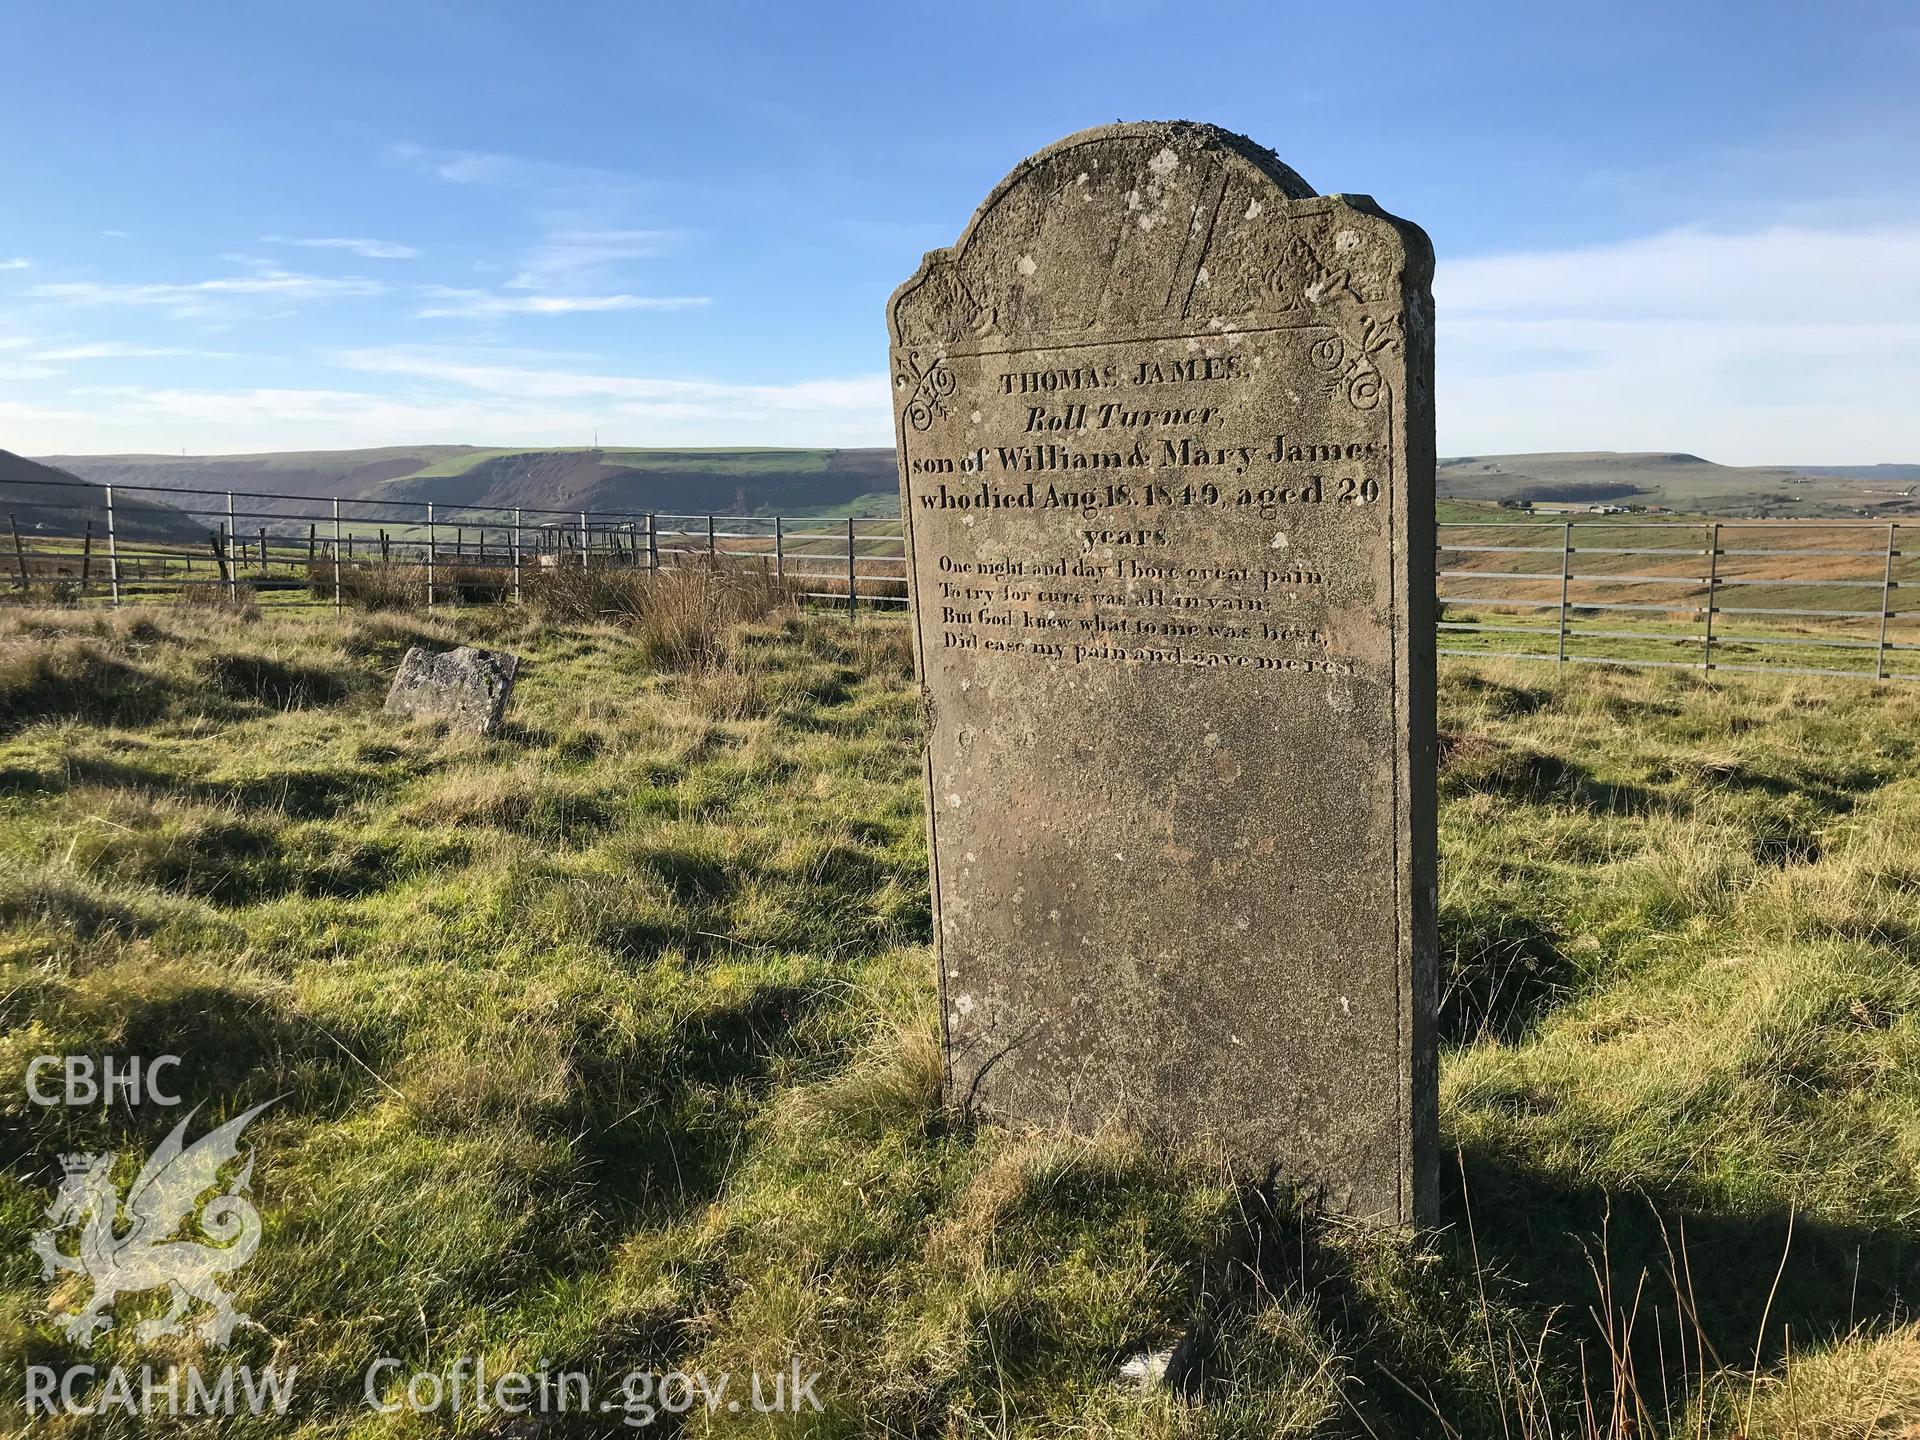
(1114, 460)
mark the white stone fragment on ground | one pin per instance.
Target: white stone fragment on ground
(1147, 1369)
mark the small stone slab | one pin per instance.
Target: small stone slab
(467, 688)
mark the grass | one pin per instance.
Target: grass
(609, 1042)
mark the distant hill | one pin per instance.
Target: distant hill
(1681, 482)
(45, 501)
(722, 481)
(695, 482)
(307, 474)
(795, 482)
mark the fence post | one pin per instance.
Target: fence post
(432, 544)
(1886, 608)
(19, 555)
(713, 555)
(653, 542)
(1566, 557)
(228, 542)
(1713, 590)
(86, 560)
(584, 542)
(516, 554)
(113, 550)
(779, 551)
(853, 587)
(336, 551)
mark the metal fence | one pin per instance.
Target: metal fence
(114, 544)
(1770, 596)
(1774, 596)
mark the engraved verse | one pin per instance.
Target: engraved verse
(1123, 456)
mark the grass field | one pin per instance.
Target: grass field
(609, 1043)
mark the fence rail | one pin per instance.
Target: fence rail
(1781, 596)
(111, 543)
(1802, 597)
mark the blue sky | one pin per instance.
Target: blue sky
(234, 227)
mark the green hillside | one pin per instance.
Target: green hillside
(1680, 482)
(721, 481)
(689, 481)
(307, 473)
(735, 480)
(45, 502)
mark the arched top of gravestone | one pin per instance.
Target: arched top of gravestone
(1150, 230)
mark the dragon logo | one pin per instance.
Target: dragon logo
(148, 1255)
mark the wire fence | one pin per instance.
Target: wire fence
(1783, 596)
(114, 544)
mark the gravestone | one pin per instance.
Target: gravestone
(1165, 426)
(468, 688)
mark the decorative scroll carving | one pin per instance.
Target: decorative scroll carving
(1349, 365)
(927, 388)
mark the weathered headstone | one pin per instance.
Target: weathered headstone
(1165, 428)
(467, 688)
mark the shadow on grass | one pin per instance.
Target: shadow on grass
(77, 682)
(1543, 1237)
(235, 1052)
(230, 859)
(660, 1127)
(276, 684)
(1538, 1241)
(1501, 971)
(306, 793)
(1477, 763)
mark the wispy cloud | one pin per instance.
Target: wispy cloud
(194, 297)
(573, 255)
(119, 350)
(636, 412)
(18, 262)
(594, 220)
(1783, 345)
(446, 303)
(365, 249)
(861, 396)
(1779, 272)
(485, 167)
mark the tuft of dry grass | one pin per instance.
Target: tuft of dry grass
(368, 585)
(1862, 1386)
(679, 618)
